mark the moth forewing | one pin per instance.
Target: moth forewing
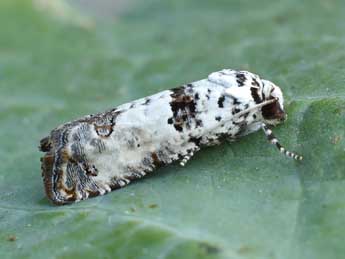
(99, 153)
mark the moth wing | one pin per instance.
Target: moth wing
(225, 77)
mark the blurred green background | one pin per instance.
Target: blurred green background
(60, 60)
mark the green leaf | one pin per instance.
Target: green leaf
(236, 200)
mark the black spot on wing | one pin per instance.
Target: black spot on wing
(178, 127)
(196, 141)
(255, 95)
(240, 79)
(183, 107)
(147, 101)
(181, 102)
(198, 123)
(235, 101)
(255, 82)
(221, 101)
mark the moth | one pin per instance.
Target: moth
(101, 152)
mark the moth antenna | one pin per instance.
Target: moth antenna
(273, 140)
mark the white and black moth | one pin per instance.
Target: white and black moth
(99, 153)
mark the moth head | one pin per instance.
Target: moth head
(273, 113)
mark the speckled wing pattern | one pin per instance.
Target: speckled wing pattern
(99, 153)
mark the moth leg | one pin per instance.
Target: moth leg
(273, 140)
(138, 174)
(186, 158)
(123, 181)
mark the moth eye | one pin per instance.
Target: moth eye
(273, 111)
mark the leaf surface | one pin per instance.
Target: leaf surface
(236, 200)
